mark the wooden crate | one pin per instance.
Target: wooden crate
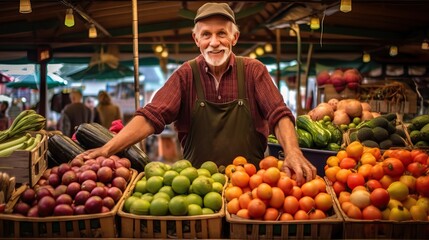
(328, 228)
(144, 226)
(77, 226)
(379, 229)
(27, 166)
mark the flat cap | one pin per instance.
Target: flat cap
(211, 9)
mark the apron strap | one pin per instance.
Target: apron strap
(197, 79)
(240, 76)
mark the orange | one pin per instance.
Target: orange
(286, 217)
(320, 183)
(260, 172)
(244, 199)
(243, 213)
(331, 173)
(277, 198)
(285, 184)
(355, 150)
(239, 160)
(240, 178)
(229, 169)
(233, 206)
(264, 191)
(249, 168)
(342, 175)
(309, 189)
(268, 161)
(255, 180)
(290, 205)
(256, 208)
(271, 176)
(232, 192)
(296, 192)
(341, 154)
(271, 214)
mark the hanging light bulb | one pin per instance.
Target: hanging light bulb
(259, 51)
(366, 57)
(159, 48)
(314, 23)
(164, 53)
(425, 45)
(252, 55)
(69, 20)
(293, 29)
(393, 51)
(25, 6)
(268, 47)
(346, 6)
(92, 33)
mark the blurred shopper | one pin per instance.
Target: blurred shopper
(107, 111)
(90, 103)
(4, 119)
(74, 114)
(14, 110)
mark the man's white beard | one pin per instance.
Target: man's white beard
(217, 62)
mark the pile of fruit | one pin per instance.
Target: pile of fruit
(268, 194)
(372, 185)
(78, 187)
(178, 189)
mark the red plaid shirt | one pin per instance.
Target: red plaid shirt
(175, 100)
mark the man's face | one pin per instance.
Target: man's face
(215, 38)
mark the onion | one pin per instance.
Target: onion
(341, 117)
(375, 114)
(322, 110)
(323, 78)
(366, 115)
(366, 106)
(333, 102)
(353, 108)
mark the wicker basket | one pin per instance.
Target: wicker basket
(78, 226)
(144, 226)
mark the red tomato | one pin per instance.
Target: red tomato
(371, 213)
(372, 184)
(379, 198)
(347, 163)
(416, 169)
(338, 187)
(354, 180)
(422, 185)
(415, 152)
(421, 158)
(403, 155)
(377, 171)
(393, 167)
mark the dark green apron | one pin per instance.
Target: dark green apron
(220, 132)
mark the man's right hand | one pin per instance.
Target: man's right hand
(94, 153)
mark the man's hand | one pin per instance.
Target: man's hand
(295, 162)
(94, 153)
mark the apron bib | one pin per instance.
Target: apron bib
(220, 132)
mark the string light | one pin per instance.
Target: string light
(252, 55)
(25, 6)
(425, 45)
(69, 20)
(92, 33)
(366, 57)
(314, 23)
(346, 6)
(393, 51)
(268, 47)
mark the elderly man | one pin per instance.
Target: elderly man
(222, 105)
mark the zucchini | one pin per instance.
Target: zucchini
(336, 134)
(62, 149)
(321, 136)
(94, 135)
(305, 139)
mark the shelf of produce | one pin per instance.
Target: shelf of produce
(146, 226)
(316, 156)
(328, 228)
(101, 225)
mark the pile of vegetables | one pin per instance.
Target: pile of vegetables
(419, 131)
(340, 79)
(346, 113)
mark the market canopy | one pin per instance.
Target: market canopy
(102, 72)
(5, 78)
(33, 81)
